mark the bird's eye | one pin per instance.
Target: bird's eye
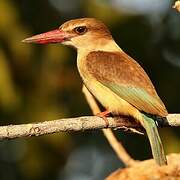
(80, 30)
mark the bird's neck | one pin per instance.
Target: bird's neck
(105, 45)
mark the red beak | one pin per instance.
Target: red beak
(54, 36)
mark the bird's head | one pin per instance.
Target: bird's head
(79, 33)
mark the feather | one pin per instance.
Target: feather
(126, 78)
(155, 140)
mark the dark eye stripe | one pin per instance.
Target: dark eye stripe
(80, 30)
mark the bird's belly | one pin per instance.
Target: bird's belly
(109, 99)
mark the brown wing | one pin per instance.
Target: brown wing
(126, 78)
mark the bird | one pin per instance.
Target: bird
(115, 79)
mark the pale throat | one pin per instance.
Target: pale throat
(105, 45)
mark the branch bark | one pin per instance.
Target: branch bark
(75, 124)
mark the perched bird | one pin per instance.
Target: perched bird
(116, 80)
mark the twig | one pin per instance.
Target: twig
(59, 125)
(72, 124)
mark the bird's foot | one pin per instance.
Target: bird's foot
(103, 115)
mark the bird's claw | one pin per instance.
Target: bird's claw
(103, 115)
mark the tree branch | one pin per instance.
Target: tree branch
(75, 124)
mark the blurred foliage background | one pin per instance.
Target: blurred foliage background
(40, 83)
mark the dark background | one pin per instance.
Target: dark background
(40, 83)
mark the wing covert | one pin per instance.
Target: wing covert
(125, 77)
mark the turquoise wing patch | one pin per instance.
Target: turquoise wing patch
(137, 97)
